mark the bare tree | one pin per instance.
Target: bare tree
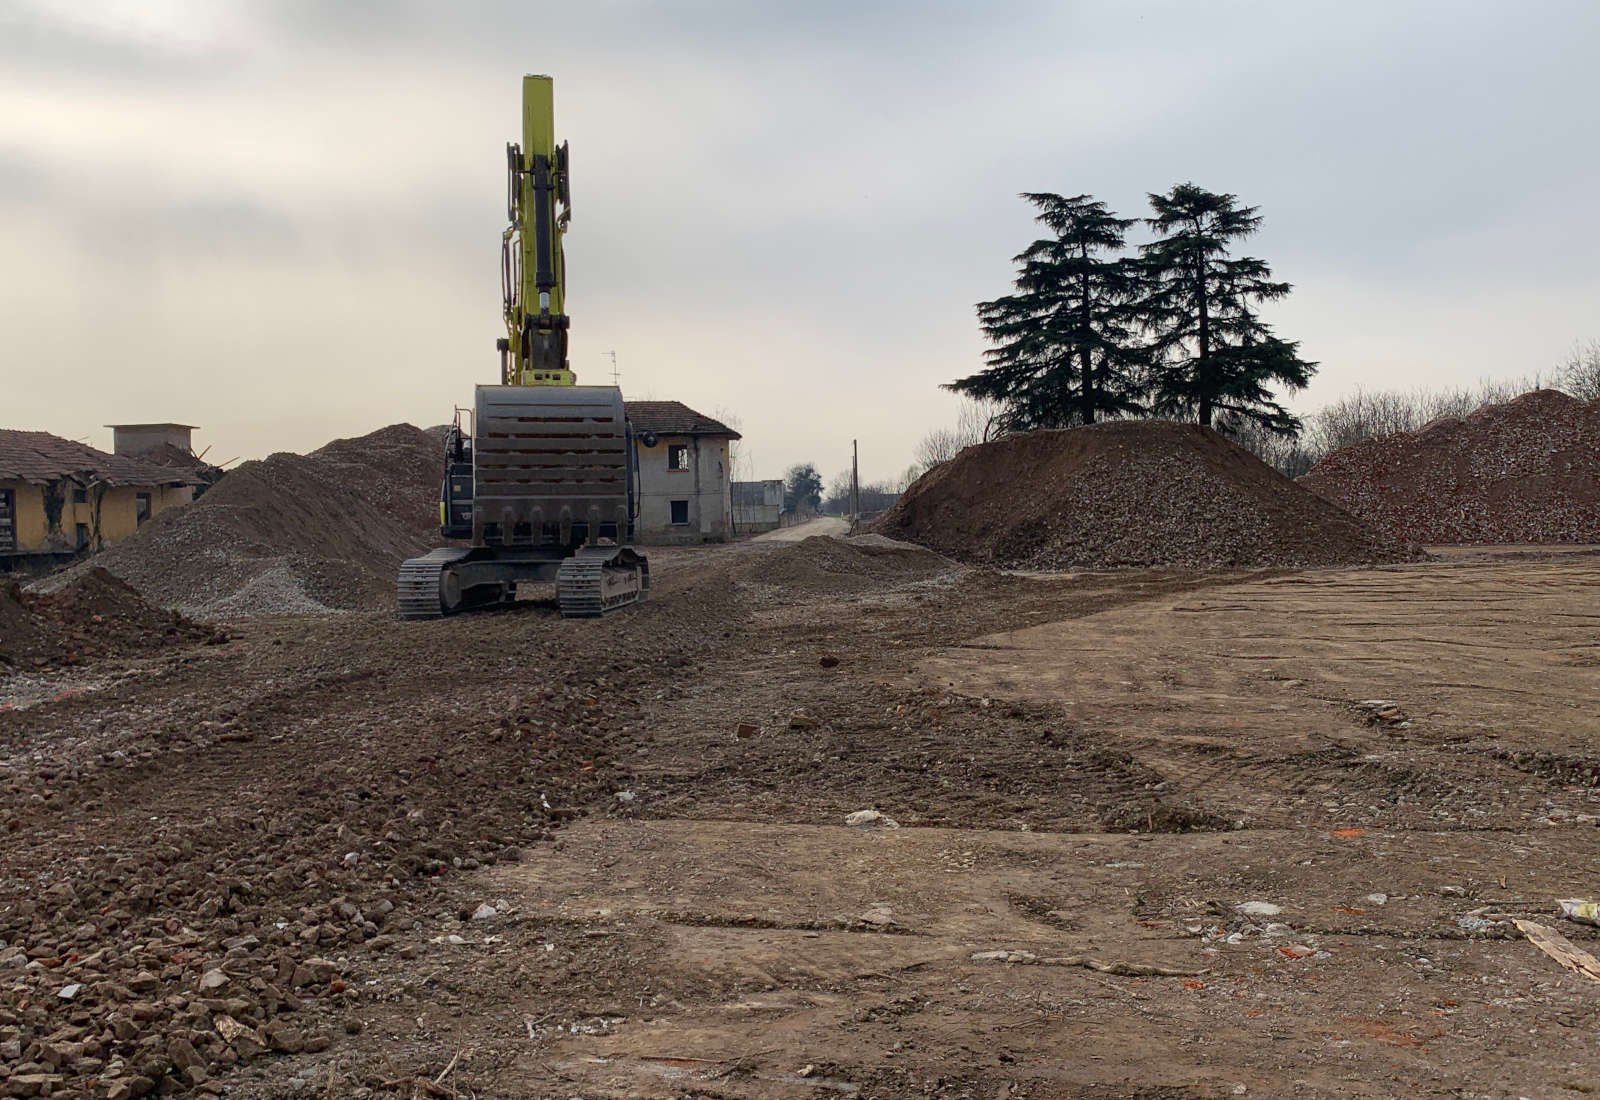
(740, 468)
(1580, 370)
(976, 422)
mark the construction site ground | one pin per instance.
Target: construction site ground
(1156, 834)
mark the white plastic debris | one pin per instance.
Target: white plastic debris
(1258, 908)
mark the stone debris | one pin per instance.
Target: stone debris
(1526, 471)
(93, 616)
(870, 819)
(294, 534)
(1128, 494)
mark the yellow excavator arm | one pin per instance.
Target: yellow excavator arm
(533, 270)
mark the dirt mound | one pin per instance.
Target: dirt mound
(1524, 471)
(93, 616)
(1127, 494)
(294, 534)
(824, 564)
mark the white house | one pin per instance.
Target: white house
(684, 474)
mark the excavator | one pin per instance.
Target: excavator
(543, 487)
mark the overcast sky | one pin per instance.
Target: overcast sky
(281, 220)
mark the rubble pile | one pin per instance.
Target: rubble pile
(186, 896)
(1128, 494)
(1526, 471)
(294, 534)
(823, 564)
(93, 616)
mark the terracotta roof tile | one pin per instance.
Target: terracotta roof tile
(674, 418)
(39, 456)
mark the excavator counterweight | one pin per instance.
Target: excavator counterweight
(543, 483)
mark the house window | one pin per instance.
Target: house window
(80, 496)
(141, 506)
(8, 521)
(677, 458)
(680, 512)
(83, 536)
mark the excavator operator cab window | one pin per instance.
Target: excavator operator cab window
(677, 456)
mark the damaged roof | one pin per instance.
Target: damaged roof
(38, 457)
(674, 418)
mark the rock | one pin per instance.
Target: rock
(212, 980)
(510, 854)
(282, 1037)
(800, 720)
(32, 1084)
(144, 982)
(183, 1054)
(871, 819)
(828, 660)
(745, 729)
(1378, 899)
(316, 1044)
(485, 911)
(321, 970)
(1002, 956)
(68, 992)
(881, 916)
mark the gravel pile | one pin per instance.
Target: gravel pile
(94, 616)
(293, 534)
(1527, 471)
(823, 564)
(1128, 494)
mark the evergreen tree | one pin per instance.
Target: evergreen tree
(1065, 344)
(1215, 357)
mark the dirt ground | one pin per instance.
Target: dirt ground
(1156, 834)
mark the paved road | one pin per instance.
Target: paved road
(822, 525)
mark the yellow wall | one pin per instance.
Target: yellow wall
(118, 516)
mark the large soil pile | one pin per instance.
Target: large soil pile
(93, 616)
(294, 533)
(1524, 471)
(1127, 494)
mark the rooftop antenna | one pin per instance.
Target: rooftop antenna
(616, 375)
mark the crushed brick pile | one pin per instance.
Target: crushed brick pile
(294, 534)
(1128, 494)
(1526, 471)
(93, 616)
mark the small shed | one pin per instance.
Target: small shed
(757, 506)
(140, 440)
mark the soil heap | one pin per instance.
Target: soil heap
(1127, 494)
(1524, 471)
(294, 534)
(93, 616)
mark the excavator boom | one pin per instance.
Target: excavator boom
(534, 274)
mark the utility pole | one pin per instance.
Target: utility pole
(855, 485)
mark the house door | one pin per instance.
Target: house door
(8, 521)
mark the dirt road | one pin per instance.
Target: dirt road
(1159, 834)
(820, 525)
